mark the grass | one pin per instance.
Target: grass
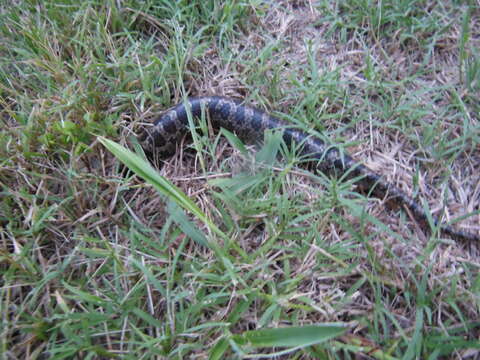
(97, 264)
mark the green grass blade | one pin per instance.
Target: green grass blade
(143, 169)
(294, 336)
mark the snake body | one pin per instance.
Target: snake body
(250, 123)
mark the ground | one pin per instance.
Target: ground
(96, 263)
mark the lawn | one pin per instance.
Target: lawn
(229, 250)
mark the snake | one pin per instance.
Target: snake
(250, 123)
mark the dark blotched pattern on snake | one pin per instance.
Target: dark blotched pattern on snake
(249, 124)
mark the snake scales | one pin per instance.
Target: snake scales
(249, 124)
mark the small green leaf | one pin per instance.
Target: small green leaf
(234, 141)
(149, 319)
(186, 225)
(218, 350)
(293, 336)
(84, 296)
(271, 147)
